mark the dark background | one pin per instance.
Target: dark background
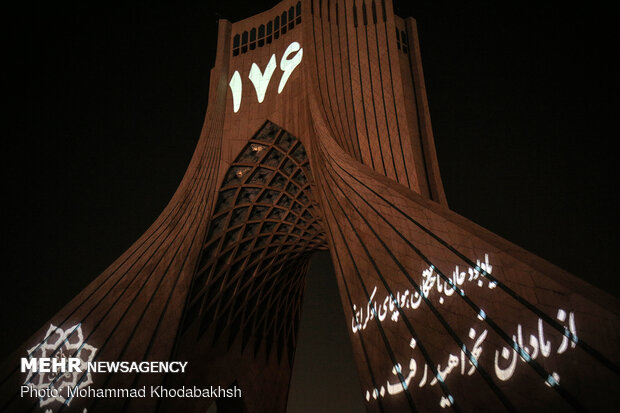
(105, 105)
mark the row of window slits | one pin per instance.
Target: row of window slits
(265, 34)
(401, 41)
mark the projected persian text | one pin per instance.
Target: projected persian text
(465, 361)
(386, 306)
(506, 360)
(260, 79)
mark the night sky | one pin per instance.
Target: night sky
(106, 106)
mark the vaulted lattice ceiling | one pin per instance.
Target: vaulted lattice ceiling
(264, 228)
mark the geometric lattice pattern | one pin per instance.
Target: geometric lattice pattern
(263, 230)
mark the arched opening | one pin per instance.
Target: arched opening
(324, 377)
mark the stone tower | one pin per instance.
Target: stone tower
(318, 136)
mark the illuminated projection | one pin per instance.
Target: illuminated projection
(409, 300)
(333, 154)
(261, 80)
(61, 345)
(467, 361)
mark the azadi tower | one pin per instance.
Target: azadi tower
(317, 136)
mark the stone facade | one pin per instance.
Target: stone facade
(318, 136)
